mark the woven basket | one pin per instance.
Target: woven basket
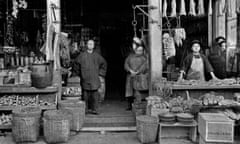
(147, 128)
(77, 111)
(139, 108)
(56, 126)
(25, 125)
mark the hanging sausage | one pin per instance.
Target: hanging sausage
(221, 7)
(230, 9)
(210, 8)
(182, 9)
(192, 10)
(174, 9)
(200, 8)
(164, 9)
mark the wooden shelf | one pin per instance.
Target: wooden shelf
(205, 87)
(9, 108)
(178, 124)
(21, 89)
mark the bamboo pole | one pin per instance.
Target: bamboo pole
(155, 35)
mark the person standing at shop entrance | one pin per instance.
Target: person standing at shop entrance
(89, 65)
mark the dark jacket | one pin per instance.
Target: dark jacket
(89, 66)
(188, 62)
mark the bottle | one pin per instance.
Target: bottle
(26, 61)
(22, 60)
(17, 59)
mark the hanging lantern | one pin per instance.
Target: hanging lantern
(183, 8)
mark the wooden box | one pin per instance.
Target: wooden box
(215, 127)
(202, 141)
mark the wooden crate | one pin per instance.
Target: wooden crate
(215, 127)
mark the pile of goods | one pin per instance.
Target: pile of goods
(223, 82)
(72, 91)
(179, 36)
(209, 99)
(16, 100)
(157, 102)
(5, 119)
(212, 99)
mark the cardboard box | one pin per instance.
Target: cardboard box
(215, 127)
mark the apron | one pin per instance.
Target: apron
(196, 71)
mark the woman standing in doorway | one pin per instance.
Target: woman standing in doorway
(136, 63)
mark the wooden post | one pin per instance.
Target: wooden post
(155, 42)
(56, 19)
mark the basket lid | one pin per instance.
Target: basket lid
(147, 119)
(71, 103)
(57, 115)
(27, 111)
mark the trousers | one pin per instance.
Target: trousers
(91, 98)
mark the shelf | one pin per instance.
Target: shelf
(178, 124)
(205, 87)
(21, 89)
(9, 108)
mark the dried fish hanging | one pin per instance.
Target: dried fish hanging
(222, 7)
(230, 9)
(182, 8)
(210, 8)
(201, 8)
(164, 9)
(174, 9)
(192, 10)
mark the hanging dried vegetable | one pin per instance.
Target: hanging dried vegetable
(230, 9)
(192, 10)
(201, 8)
(10, 31)
(183, 8)
(210, 8)
(169, 46)
(165, 8)
(174, 9)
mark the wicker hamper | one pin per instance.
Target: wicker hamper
(56, 126)
(139, 108)
(25, 125)
(147, 128)
(77, 110)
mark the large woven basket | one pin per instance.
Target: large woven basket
(147, 128)
(77, 111)
(56, 126)
(25, 125)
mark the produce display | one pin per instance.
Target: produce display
(16, 100)
(5, 119)
(211, 99)
(223, 82)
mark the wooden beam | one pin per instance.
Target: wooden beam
(94, 129)
(155, 35)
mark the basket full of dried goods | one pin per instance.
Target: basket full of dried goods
(167, 117)
(25, 124)
(147, 128)
(56, 126)
(77, 111)
(71, 93)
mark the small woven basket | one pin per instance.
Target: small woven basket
(25, 125)
(77, 111)
(56, 126)
(147, 128)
